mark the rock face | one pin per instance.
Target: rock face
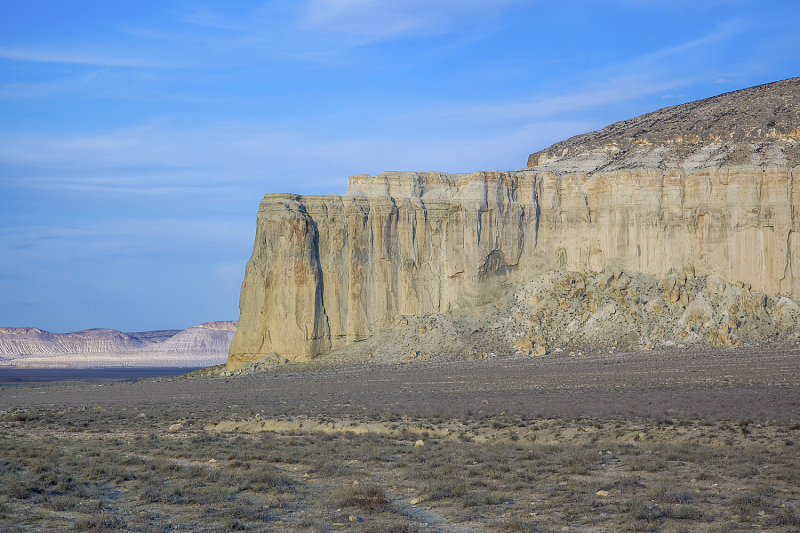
(664, 194)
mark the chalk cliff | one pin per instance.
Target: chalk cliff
(205, 344)
(34, 341)
(670, 192)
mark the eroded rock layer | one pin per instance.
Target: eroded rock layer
(330, 270)
(205, 344)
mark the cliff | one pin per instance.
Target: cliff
(327, 271)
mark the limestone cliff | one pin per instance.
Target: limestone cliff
(331, 270)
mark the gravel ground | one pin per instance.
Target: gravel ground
(718, 383)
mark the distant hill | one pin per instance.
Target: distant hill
(34, 341)
(211, 338)
(201, 345)
(154, 337)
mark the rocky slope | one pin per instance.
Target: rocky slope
(759, 126)
(664, 198)
(577, 313)
(206, 344)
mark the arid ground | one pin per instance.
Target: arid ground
(665, 440)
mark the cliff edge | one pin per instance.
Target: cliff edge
(666, 194)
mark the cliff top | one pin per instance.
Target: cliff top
(758, 126)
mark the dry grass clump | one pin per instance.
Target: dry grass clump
(369, 497)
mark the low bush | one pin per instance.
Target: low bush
(368, 497)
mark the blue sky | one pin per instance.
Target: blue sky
(137, 138)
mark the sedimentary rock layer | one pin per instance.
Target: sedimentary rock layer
(205, 344)
(329, 270)
(34, 341)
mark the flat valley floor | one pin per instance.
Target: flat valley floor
(665, 440)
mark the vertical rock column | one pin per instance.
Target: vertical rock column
(281, 302)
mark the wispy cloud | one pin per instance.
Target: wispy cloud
(387, 19)
(724, 31)
(542, 107)
(321, 30)
(238, 164)
(42, 55)
(163, 159)
(120, 238)
(642, 76)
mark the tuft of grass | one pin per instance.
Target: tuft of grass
(640, 512)
(393, 527)
(686, 512)
(519, 526)
(446, 488)
(326, 468)
(747, 506)
(483, 498)
(100, 524)
(668, 494)
(787, 516)
(368, 497)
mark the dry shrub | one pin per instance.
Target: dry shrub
(326, 468)
(369, 496)
(519, 526)
(630, 481)
(787, 516)
(397, 527)
(446, 488)
(668, 494)
(646, 463)
(100, 524)
(686, 512)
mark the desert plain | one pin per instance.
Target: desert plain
(674, 439)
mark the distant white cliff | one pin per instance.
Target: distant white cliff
(203, 345)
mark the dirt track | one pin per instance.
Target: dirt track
(746, 383)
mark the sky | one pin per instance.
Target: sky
(138, 137)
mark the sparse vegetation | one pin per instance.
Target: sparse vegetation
(263, 454)
(578, 473)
